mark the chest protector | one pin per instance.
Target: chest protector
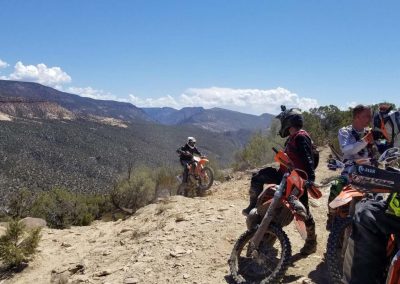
(293, 152)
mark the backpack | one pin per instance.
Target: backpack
(314, 150)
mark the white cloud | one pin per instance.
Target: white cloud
(94, 94)
(254, 101)
(50, 76)
(167, 101)
(3, 64)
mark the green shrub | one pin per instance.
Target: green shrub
(20, 203)
(137, 191)
(61, 208)
(218, 174)
(257, 152)
(17, 245)
(56, 207)
(165, 178)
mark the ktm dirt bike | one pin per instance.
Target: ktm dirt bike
(262, 254)
(365, 181)
(200, 178)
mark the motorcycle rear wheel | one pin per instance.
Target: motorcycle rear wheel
(336, 247)
(271, 264)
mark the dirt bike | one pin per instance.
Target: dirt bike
(364, 181)
(200, 178)
(262, 254)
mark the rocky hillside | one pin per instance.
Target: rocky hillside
(34, 92)
(82, 155)
(178, 240)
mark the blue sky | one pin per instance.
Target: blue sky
(249, 56)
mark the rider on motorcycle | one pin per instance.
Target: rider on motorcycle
(355, 142)
(299, 148)
(186, 157)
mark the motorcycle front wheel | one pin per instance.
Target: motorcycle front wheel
(269, 266)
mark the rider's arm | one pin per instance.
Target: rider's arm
(196, 151)
(305, 152)
(347, 143)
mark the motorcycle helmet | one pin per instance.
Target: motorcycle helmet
(289, 118)
(191, 141)
(383, 125)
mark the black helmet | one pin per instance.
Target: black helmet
(289, 118)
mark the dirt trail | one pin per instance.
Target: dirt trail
(179, 240)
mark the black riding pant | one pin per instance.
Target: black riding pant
(365, 258)
(271, 175)
(185, 164)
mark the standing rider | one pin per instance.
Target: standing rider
(299, 148)
(186, 157)
(355, 142)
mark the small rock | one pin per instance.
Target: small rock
(186, 276)
(102, 273)
(81, 278)
(304, 280)
(66, 245)
(131, 280)
(33, 223)
(76, 268)
(124, 230)
(105, 253)
(180, 219)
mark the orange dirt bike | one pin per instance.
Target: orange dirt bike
(365, 181)
(262, 254)
(200, 178)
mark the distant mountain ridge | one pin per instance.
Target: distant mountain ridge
(74, 106)
(214, 119)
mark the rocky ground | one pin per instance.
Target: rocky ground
(178, 240)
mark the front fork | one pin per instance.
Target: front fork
(269, 215)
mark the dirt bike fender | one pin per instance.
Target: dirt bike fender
(266, 194)
(203, 161)
(314, 192)
(300, 226)
(344, 197)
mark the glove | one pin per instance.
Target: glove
(369, 137)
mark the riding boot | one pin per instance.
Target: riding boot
(253, 192)
(310, 245)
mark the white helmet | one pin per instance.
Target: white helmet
(191, 141)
